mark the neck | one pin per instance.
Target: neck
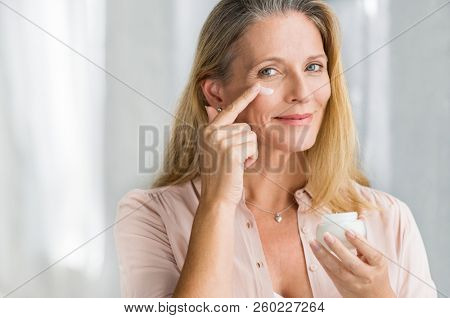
(274, 178)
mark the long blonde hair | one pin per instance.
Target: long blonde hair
(333, 160)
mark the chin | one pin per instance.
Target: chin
(296, 145)
(289, 140)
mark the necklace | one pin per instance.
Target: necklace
(277, 215)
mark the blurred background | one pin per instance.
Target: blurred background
(69, 131)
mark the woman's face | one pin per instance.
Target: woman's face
(284, 53)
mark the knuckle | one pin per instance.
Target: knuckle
(211, 132)
(339, 271)
(252, 136)
(207, 131)
(234, 128)
(370, 279)
(353, 266)
(377, 257)
(222, 144)
(383, 264)
(214, 137)
(232, 107)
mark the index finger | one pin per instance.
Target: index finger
(230, 113)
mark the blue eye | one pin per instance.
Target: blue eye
(316, 67)
(265, 69)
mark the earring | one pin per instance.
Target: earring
(219, 109)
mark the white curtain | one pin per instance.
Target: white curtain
(51, 142)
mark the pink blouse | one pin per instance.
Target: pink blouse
(153, 229)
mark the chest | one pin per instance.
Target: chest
(283, 250)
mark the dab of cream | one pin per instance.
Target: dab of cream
(266, 91)
(336, 224)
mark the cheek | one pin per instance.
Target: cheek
(257, 112)
(322, 91)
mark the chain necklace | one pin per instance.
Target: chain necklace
(277, 215)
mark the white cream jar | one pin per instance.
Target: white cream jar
(336, 224)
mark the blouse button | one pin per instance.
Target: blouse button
(305, 230)
(313, 267)
(249, 225)
(259, 264)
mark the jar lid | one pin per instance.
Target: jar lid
(339, 217)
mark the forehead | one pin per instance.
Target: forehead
(292, 36)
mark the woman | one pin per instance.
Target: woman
(247, 179)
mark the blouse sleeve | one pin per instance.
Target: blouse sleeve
(414, 274)
(146, 261)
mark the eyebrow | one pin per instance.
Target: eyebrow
(280, 59)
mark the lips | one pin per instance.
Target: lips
(295, 116)
(296, 119)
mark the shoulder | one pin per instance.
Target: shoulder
(142, 198)
(160, 202)
(376, 196)
(392, 210)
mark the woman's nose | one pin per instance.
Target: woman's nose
(298, 90)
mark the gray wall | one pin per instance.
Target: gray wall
(420, 103)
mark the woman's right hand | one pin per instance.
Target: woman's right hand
(227, 148)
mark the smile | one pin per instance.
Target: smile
(296, 119)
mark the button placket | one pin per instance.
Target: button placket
(263, 275)
(313, 267)
(306, 224)
(256, 248)
(305, 230)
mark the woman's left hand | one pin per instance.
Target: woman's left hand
(362, 275)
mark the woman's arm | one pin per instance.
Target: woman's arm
(208, 267)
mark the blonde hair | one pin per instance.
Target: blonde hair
(333, 159)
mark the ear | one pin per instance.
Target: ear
(212, 90)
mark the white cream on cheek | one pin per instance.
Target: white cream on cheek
(260, 116)
(266, 91)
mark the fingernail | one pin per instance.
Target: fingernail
(350, 234)
(266, 91)
(314, 245)
(328, 237)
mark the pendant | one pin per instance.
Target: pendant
(278, 217)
